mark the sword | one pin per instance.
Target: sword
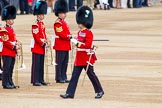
(101, 40)
(91, 53)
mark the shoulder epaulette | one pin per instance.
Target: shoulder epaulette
(58, 21)
(35, 24)
(3, 30)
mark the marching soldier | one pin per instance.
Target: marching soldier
(84, 18)
(38, 45)
(10, 46)
(62, 41)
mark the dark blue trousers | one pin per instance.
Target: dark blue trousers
(137, 3)
(8, 66)
(62, 58)
(79, 3)
(75, 77)
(37, 69)
(0, 76)
(72, 4)
(110, 3)
(24, 7)
(145, 3)
(3, 3)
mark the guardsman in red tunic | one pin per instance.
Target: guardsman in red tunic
(1, 46)
(38, 45)
(10, 46)
(84, 18)
(62, 41)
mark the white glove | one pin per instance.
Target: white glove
(1, 71)
(42, 40)
(74, 41)
(13, 43)
(32, 43)
(69, 35)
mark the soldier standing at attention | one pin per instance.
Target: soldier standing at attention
(10, 46)
(84, 18)
(38, 45)
(62, 41)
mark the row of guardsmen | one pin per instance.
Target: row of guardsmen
(85, 56)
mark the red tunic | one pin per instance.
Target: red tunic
(8, 36)
(85, 37)
(30, 1)
(1, 33)
(62, 41)
(39, 35)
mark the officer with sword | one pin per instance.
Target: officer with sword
(85, 56)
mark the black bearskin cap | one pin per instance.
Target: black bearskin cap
(8, 12)
(40, 8)
(61, 6)
(84, 16)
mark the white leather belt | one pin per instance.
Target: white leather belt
(87, 50)
(56, 36)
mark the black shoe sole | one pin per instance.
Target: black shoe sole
(98, 97)
(60, 81)
(8, 88)
(45, 84)
(69, 97)
(37, 84)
